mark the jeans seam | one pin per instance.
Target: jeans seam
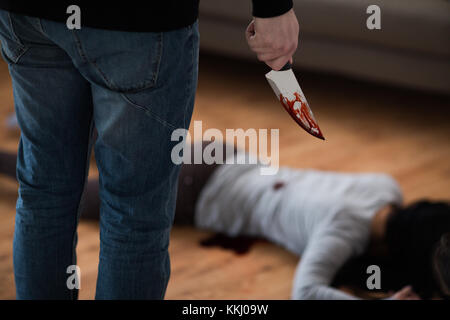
(154, 79)
(74, 294)
(149, 112)
(17, 53)
(188, 88)
(13, 32)
(85, 58)
(193, 64)
(160, 54)
(40, 26)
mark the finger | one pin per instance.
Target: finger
(257, 47)
(267, 56)
(260, 45)
(280, 57)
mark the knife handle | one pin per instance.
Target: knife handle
(287, 66)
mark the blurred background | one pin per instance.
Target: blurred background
(381, 97)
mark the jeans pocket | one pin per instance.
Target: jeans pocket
(171, 100)
(124, 61)
(12, 47)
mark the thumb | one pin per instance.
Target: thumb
(250, 32)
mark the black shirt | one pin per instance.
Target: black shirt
(144, 15)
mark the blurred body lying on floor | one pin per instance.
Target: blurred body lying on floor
(338, 223)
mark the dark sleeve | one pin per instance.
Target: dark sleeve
(271, 8)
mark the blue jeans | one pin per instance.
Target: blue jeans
(135, 88)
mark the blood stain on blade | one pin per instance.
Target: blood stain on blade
(300, 112)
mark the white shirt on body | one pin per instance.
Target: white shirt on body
(323, 216)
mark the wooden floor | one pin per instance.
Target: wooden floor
(368, 128)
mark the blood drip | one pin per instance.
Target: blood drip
(302, 115)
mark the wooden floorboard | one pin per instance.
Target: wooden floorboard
(368, 127)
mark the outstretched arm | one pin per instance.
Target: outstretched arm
(324, 255)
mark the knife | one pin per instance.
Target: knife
(291, 96)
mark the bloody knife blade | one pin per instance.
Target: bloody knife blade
(291, 96)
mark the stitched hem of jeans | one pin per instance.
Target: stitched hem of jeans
(149, 112)
(113, 87)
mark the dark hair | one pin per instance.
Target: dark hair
(412, 234)
(442, 263)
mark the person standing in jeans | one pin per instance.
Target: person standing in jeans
(132, 73)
